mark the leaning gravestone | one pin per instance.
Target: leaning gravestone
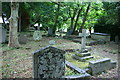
(49, 62)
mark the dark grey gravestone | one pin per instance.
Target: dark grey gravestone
(50, 32)
(69, 32)
(22, 39)
(2, 34)
(49, 62)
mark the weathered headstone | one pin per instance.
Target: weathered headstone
(37, 35)
(83, 42)
(116, 39)
(49, 62)
(2, 35)
(22, 39)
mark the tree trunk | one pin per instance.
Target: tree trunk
(72, 19)
(56, 19)
(77, 19)
(13, 26)
(19, 27)
(84, 19)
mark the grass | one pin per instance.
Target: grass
(17, 60)
(80, 64)
(69, 72)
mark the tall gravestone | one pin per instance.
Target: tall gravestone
(2, 32)
(37, 35)
(49, 62)
(50, 32)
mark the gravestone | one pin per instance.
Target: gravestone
(50, 32)
(2, 34)
(83, 54)
(37, 35)
(49, 62)
(22, 39)
(116, 39)
(83, 42)
(69, 32)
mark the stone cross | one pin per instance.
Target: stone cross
(48, 62)
(83, 35)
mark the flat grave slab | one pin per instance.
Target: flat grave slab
(102, 36)
(100, 65)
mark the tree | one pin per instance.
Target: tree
(56, 18)
(84, 19)
(13, 26)
(75, 25)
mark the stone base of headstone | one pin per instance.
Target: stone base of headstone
(82, 55)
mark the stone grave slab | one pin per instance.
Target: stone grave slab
(100, 36)
(77, 69)
(49, 62)
(100, 65)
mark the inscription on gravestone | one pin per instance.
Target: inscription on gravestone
(49, 62)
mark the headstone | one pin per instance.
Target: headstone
(50, 32)
(70, 32)
(37, 35)
(116, 39)
(2, 34)
(83, 42)
(49, 62)
(22, 39)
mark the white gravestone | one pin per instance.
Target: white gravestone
(37, 35)
(83, 35)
